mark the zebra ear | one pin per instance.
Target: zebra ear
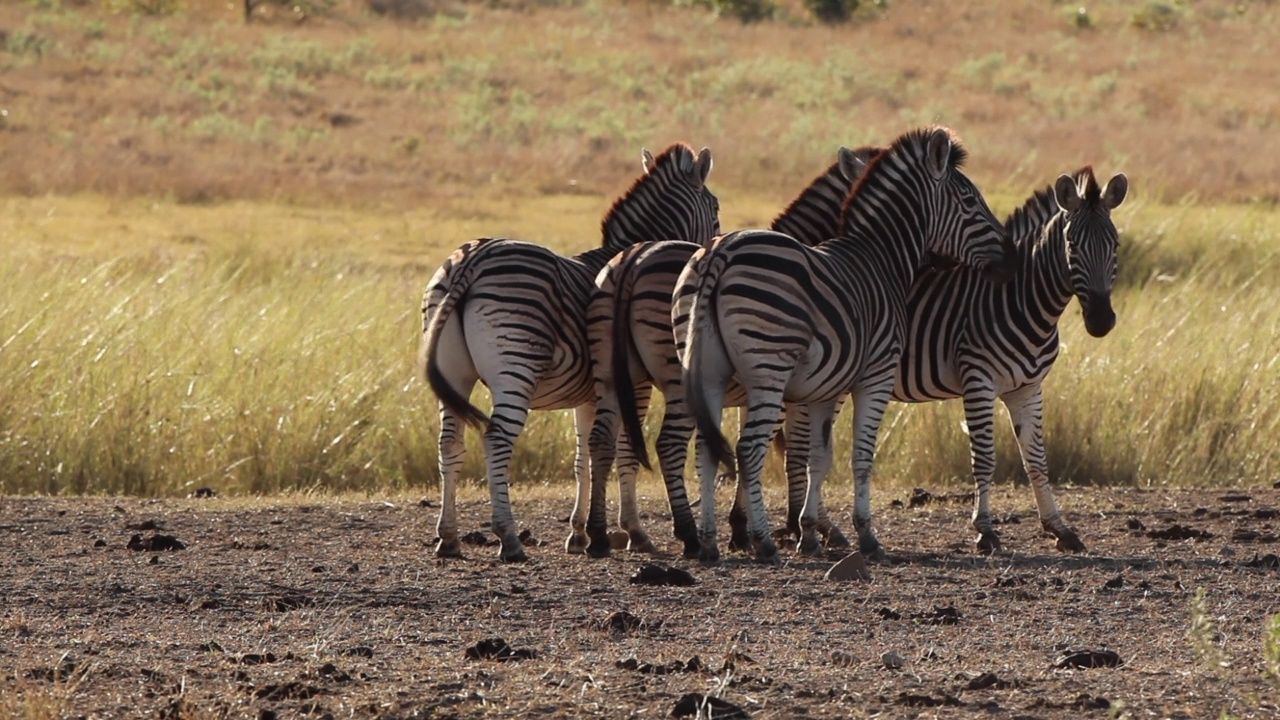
(702, 168)
(938, 154)
(646, 160)
(1115, 191)
(851, 164)
(1066, 193)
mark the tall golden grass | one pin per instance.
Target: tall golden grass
(151, 348)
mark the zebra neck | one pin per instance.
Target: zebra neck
(596, 258)
(1049, 286)
(814, 216)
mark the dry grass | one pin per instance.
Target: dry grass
(356, 108)
(153, 347)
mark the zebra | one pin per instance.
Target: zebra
(513, 315)
(972, 339)
(808, 325)
(632, 347)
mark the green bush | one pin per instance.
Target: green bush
(831, 11)
(1156, 16)
(747, 11)
(143, 7)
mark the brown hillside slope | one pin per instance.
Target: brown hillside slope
(358, 108)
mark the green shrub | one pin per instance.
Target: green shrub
(831, 11)
(747, 11)
(1156, 16)
(143, 7)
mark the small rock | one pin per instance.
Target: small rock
(1134, 523)
(1268, 562)
(427, 503)
(893, 661)
(1179, 532)
(359, 651)
(851, 567)
(498, 649)
(705, 706)
(528, 540)
(624, 622)
(919, 498)
(840, 658)
(653, 574)
(889, 614)
(475, 537)
(203, 492)
(1114, 583)
(99, 543)
(155, 543)
(1090, 659)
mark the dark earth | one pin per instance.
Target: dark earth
(212, 607)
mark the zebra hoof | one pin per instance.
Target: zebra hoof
(739, 541)
(809, 545)
(576, 544)
(692, 548)
(988, 543)
(448, 548)
(872, 550)
(1070, 542)
(709, 554)
(836, 540)
(513, 553)
(599, 547)
(767, 552)
(640, 543)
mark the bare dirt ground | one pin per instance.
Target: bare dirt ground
(338, 609)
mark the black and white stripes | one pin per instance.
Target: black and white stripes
(807, 325)
(977, 340)
(512, 315)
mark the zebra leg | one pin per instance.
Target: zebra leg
(979, 408)
(628, 465)
(820, 415)
(510, 410)
(868, 410)
(797, 462)
(585, 421)
(453, 451)
(673, 450)
(739, 538)
(708, 469)
(1026, 411)
(764, 416)
(798, 439)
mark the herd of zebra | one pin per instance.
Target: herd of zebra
(887, 278)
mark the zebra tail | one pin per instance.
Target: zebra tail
(703, 330)
(624, 283)
(446, 393)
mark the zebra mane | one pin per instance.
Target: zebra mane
(1025, 223)
(912, 143)
(676, 153)
(1087, 184)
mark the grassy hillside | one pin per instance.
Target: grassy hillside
(354, 107)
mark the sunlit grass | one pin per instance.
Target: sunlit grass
(151, 348)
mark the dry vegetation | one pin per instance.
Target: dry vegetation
(353, 107)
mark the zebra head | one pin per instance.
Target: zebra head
(1091, 242)
(670, 201)
(962, 226)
